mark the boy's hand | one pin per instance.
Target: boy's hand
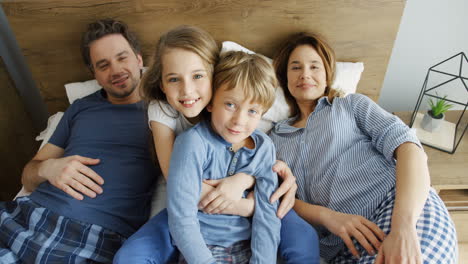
(228, 192)
(287, 189)
(73, 176)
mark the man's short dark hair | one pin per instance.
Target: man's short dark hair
(104, 27)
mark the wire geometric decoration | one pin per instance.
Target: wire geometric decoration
(448, 79)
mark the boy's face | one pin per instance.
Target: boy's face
(233, 116)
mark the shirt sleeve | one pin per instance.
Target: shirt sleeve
(61, 135)
(386, 131)
(183, 189)
(162, 113)
(265, 224)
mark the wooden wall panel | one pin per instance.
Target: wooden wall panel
(49, 31)
(16, 137)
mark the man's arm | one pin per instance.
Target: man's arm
(70, 174)
(30, 177)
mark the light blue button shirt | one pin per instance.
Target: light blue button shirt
(343, 157)
(199, 154)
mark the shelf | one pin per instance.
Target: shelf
(448, 171)
(443, 138)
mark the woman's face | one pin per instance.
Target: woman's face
(306, 74)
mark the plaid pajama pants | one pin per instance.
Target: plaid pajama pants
(238, 253)
(436, 232)
(30, 233)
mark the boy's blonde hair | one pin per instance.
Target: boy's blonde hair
(252, 72)
(185, 37)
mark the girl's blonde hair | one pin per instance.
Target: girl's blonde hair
(185, 37)
(252, 72)
(325, 52)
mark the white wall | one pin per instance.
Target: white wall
(430, 32)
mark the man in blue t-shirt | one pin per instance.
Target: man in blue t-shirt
(92, 182)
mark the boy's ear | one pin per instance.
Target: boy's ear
(209, 107)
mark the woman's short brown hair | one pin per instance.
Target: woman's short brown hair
(325, 52)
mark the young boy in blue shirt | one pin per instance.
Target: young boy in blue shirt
(225, 144)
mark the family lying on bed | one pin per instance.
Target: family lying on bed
(363, 192)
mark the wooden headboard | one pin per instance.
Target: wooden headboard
(49, 31)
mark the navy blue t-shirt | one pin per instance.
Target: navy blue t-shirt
(119, 136)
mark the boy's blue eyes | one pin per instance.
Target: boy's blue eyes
(230, 105)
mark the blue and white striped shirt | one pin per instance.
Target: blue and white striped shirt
(343, 158)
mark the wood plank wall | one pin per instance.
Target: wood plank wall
(49, 31)
(16, 137)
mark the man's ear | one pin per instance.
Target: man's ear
(140, 61)
(209, 107)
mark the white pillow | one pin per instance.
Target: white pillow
(346, 79)
(79, 90)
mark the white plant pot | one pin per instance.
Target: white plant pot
(431, 124)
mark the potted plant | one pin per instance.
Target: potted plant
(435, 115)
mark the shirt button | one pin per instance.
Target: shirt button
(231, 173)
(235, 159)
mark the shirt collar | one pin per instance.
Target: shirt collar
(285, 127)
(228, 145)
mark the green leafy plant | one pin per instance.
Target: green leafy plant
(439, 107)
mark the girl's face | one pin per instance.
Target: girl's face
(186, 82)
(306, 74)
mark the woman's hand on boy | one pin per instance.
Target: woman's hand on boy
(348, 226)
(287, 189)
(226, 195)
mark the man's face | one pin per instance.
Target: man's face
(116, 68)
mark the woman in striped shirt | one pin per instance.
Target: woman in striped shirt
(362, 174)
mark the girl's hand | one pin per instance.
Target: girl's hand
(244, 207)
(348, 226)
(287, 189)
(400, 246)
(227, 194)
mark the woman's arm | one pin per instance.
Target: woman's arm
(287, 189)
(345, 226)
(412, 189)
